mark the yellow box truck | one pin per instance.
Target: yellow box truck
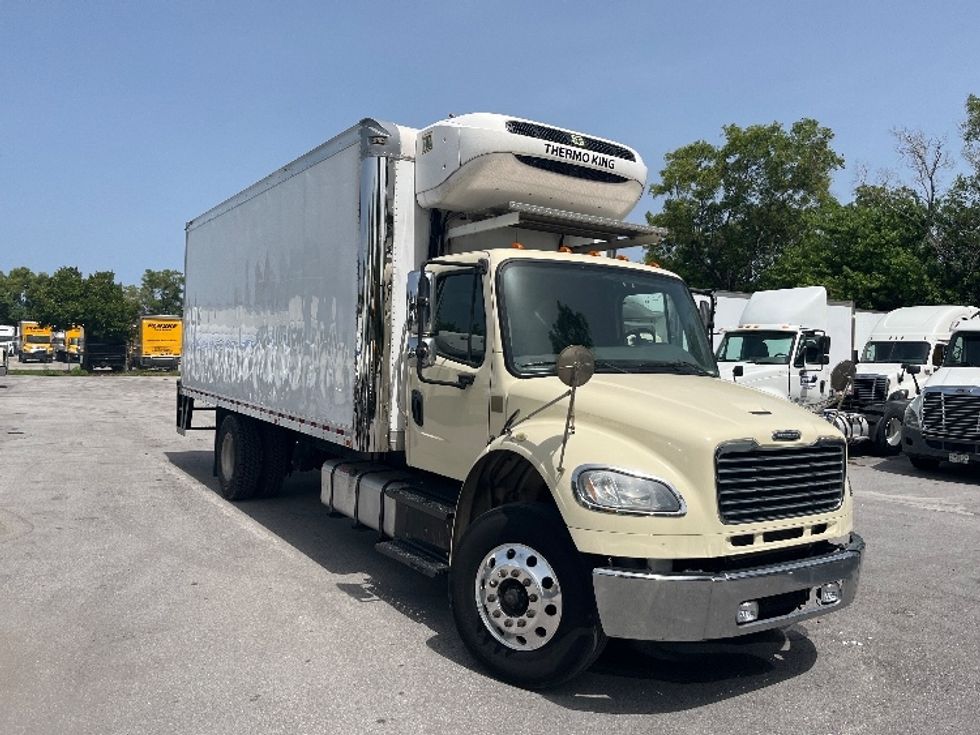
(35, 342)
(158, 343)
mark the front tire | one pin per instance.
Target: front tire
(522, 597)
(238, 450)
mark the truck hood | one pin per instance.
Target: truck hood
(949, 377)
(771, 379)
(681, 411)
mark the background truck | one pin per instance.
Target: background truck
(942, 423)
(100, 351)
(35, 342)
(8, 339)
(69, 350)
(158, 343)
(783, 344)
(432, 319)
(880, 385)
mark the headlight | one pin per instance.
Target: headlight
(913, 413)
(601, 488)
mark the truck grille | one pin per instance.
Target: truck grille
(757, 484)
(951, 415)
(869, 389)
(543, 132)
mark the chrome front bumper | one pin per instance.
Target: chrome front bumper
(695, 607)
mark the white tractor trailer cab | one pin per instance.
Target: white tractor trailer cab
(942, 423)
(436, 321)
(904, 349)
(782, 346)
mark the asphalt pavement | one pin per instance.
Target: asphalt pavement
(134, 599)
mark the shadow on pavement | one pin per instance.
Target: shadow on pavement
(900, 465)
(629, 677)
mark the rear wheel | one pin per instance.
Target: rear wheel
(522, 597)
(888, 431)
(276, 459)
(238, 450)
(923, 463)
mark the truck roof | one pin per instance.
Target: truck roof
(381, 137)
(498, 255)
(787, 307)
(920, 322)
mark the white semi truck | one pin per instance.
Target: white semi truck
(903, 350)
(8, 340)
(942, 423)
(783, 344)
(418, 314)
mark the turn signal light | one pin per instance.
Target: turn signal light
(517, 246)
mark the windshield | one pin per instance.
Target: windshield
(634, 322)
(758, 346)
(964, 350)
(916, 353)
(38, 339)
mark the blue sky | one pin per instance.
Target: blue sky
(121, 121)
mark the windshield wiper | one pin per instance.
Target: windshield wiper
(679, 366)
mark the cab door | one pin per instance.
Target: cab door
(448, 400)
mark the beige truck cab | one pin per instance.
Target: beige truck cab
(438, 321)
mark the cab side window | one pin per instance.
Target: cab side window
(460, 324)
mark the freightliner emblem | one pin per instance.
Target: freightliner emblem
(786, 435)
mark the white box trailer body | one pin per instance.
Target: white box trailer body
(415, 313)
(284, 305)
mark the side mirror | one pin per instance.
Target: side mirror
(912, 369)
(418, 290)
(738, 371)
(704, 309)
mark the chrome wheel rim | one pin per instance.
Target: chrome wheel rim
(893, 432)
(518, 597)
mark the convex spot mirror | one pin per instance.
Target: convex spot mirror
(576, 366)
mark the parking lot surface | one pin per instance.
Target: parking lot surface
(134, 599)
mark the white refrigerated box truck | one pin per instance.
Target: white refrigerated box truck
(418, 314)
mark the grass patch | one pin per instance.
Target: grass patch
(78, 372)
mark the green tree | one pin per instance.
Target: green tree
(105, 310)
(60, 300)
(873, 251)
(18, 294)
(162, 292)
(732, 210)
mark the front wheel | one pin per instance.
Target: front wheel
(522, 598)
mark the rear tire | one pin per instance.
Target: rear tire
(277, 456)
(888, 430)
(552, 628)
(923, 463)
(238, 456)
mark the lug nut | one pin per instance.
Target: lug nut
(530, 613)
(521, 623)
(496, 613)
(508, 623)
(491, 598)
(515, 573)
(532, 598)
(527, 582)
(503, 572)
